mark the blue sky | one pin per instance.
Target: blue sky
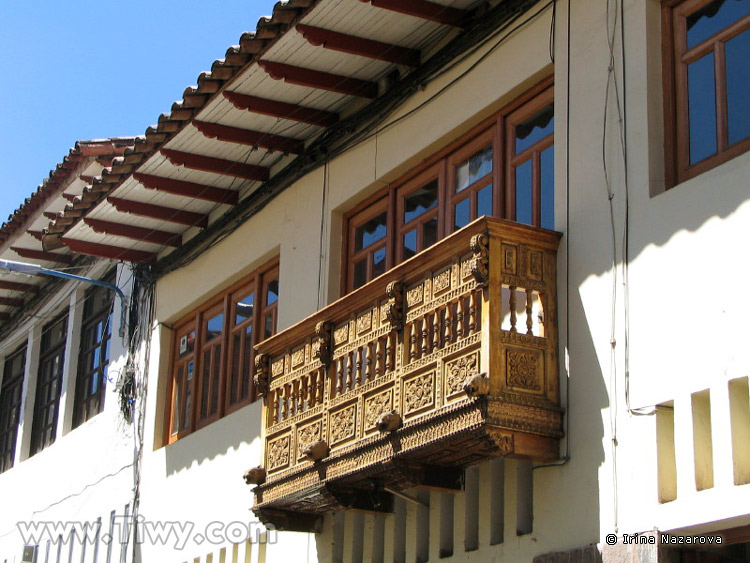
(81, 69)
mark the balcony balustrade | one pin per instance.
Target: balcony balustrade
(446, 360)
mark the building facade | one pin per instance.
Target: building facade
(430, 270)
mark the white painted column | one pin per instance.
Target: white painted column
(28, 394)
(683, 445)
(70, 369)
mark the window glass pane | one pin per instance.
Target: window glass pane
(360, 273)
(738, 85)
(378, 262)
(548, 187)
(484, 201)
(268, 326)
(473, 168)
(243, 309)
(523, 193)
(535, 128)
(215, 380)
(430, 232)
(702, 108)
(235, 368)
(272, 292)
(713, 18)
(369, 233)
(410, 244)
(419, 201)
(462, 213)
(187, 344)
(247, 356)
(214, 326)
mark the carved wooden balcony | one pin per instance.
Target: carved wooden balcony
(453, 353)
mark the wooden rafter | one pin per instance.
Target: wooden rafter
(133, 232)
(42, 255)
(249, 137)
(321, 80)
(216, 165)
(283, 110)
(188, 189)
(50, 215)
(426, 10)
(359, 46)
(11, 302)
(152, 211)
(18, 286)
(107, 251)
(36, 234)
(69, 197)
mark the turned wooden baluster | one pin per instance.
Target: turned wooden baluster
(293, 394)
(304, 394)
(472, 312)
(285, 403)
(425, 336)
(436, 330)
(320, 378)
(390, 351)
(339, 382)
(529, 311)
(359, 367)
(413, 351)
(370, 365)
(460, 318)
(349, 371)
(313, 400)
(512, 304)
(447, 322)
(379, 351)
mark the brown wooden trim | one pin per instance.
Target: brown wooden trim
(222, 301)
(217, 165)
(42, 255)
(108, 251)
(432, 11)
(18, 286)
(188, 189)
(151, 211)
(344, 43)
(249, 137)
(322, 80)
(292, 112)
(135, 233)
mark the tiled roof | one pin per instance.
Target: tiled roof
(106, 149)
(251, 45)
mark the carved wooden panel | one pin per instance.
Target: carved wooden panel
(418, 393)
(298, 357)
(279, 453)
(510, 259)
(441, 282)
(415, 295)
(375, 405)
(341, 334)
(524, 369)
(364, 322)
(456, 372)
(307, 435)
(342, 424)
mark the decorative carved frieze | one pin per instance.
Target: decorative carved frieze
(480, 246)
(364, 322)
(415, 295)
(277, 367)
(441, 281)
(341, 334)
(321, 348)
(394, 310)
(298, 357)
(261, 378)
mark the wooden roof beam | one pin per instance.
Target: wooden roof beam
(292, 112)
(136, 233)
(359, 46)
(42, 255)
(426, 10)
(249, 137)
(107, 251)
(187, 189)
(51, 215)
(36, 234)
(11, 302)
(69, 197)
(159, 212)
(18, 286)
(217, 165)
(320, 80)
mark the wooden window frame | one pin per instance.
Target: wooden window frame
(442, 165)
(676, 57)
(48, 353)
(10, 402)
(91, 319)
(220, 381)
(433, 173)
